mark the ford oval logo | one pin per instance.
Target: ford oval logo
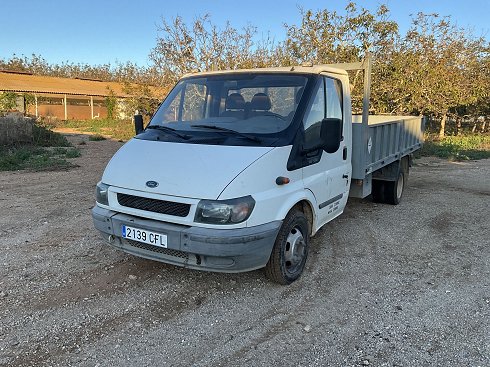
(151, 184)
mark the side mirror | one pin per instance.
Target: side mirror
(138, 124)
(331, 134)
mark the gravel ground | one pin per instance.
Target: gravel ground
(404, 285)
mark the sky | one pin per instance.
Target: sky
(110, 31)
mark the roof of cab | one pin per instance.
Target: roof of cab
(315, 69)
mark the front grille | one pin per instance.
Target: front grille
(161, 250)
(153, 205)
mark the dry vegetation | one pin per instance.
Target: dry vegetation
(436, 68)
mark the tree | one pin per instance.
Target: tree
(8, 101)
(29, 100)
(203, 46)
(120, 72)
(141, 98)
(480, 75)
(325, 37)
(110, 103)
(436, 69)
(329, 37)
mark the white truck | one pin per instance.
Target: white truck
(238, 169)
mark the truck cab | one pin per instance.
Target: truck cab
(235, 171)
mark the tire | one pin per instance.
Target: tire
(394, 189)
(377, 191)
(288, 257)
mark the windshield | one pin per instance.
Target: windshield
(251, 104)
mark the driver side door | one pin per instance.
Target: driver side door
(326, 175)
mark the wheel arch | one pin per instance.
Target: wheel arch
(306, 208)
(390, 171)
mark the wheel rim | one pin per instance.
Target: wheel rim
(295, 250)
(399, 187)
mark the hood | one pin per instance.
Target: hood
(186, 170)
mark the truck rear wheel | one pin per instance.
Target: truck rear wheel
(394, 189)
(377, 191)
(290, 250)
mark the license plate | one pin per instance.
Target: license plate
(142, 235)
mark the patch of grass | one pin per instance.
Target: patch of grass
(36, 158)
(96, 137)
(457, 148)
(43, 137)
(72, 153)
(46, 162)
(49, 151)
(59, 151)
(116, 129)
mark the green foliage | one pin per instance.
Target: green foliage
(110, 103)
(66, 152)
(36, 158)
(142, 100)
(119, 72)
(8, 101)
(117, 129)
(29, 100)
(96, 137)
(44, 137)
(329, 37)
(72, 153)
(457, 148)
(48, 151)
(182, 48)
(326, 37)
(436, 68)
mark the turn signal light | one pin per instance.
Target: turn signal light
(282, 180)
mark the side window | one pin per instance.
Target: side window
(314, 116)
(194, 102)
(334, 98)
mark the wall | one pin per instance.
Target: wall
(73, 111)
(78, 107)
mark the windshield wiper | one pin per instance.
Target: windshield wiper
(219, 128)
(169, 130)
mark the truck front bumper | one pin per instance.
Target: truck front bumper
(220, 250)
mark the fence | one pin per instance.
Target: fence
(15, 128)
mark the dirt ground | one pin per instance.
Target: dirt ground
(405, 285)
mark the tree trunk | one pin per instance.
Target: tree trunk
(443, 126)
(458, 125)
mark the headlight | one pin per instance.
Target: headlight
(224, 211)
(101, 193)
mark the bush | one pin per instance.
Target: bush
(8, 101)
(48, 151)
(44, 137)
(457, 148)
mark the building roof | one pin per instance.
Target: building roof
(26, 83)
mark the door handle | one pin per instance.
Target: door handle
(344, 154)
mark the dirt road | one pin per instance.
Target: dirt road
(405, 285)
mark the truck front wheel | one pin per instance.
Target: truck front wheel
(290, 250)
